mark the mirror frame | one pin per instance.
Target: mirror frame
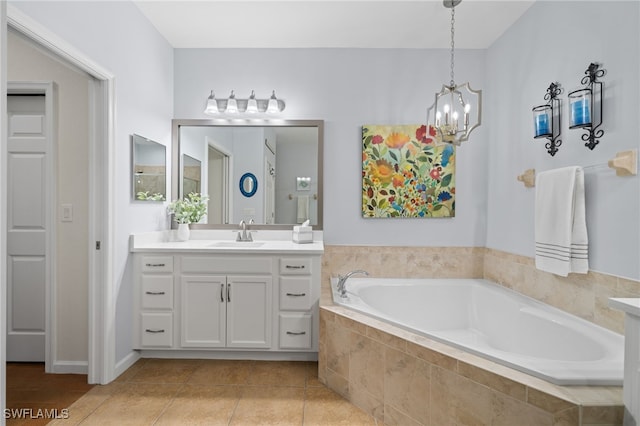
(175, 158)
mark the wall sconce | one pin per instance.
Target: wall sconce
(252, 105)
(585, 106)
(546, 119)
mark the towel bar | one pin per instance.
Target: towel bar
(625, 163)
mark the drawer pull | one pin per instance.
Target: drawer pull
(148, 330)
(294, 266)
(229, 292)
(296, 333)
(222, 293)
(155, 293)
(297, 294)
(155, 265)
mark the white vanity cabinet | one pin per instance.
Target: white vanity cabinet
(258, 304)
(154, 299)
(220, 308)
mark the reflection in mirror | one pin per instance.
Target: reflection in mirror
(191, 175)
(149, 169)
(275, 153)
(248, 184)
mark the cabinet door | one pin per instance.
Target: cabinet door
(249, 311)
(203, 311)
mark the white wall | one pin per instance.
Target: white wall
(119, 38)
(348, 88)
(27, 62)
(556, 41)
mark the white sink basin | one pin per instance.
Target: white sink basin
(238, 244)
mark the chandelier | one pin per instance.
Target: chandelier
(457, 109)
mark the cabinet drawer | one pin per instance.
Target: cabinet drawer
(295, 331)
(157, 292)
(295, 293)
(157, 329)
(157, 263)
(227, 265)
(295, 266)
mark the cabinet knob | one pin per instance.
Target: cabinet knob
(148, 330)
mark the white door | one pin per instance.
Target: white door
(269, 193)
(249, 312)
(27, 217)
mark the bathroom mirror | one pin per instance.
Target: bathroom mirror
(248, 185)
(149, 169)
(274, 153)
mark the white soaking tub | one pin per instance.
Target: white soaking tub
(494, 322)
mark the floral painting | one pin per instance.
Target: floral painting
(404, 173)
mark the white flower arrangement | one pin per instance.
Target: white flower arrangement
(190, 209)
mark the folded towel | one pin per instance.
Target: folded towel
(303, 208)
(560, 224)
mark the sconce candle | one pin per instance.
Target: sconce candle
(580, 105)
(541, 121)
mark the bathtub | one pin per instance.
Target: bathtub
(494, 322)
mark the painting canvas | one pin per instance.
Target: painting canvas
(405, 173)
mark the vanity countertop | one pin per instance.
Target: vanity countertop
(223, 241)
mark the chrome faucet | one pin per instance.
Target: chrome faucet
(342, 281)
(244, 234)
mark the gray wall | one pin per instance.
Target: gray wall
(349, 88)
(520, 66)
(119, 38)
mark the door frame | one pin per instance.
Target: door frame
(46, 89)
(102, 294)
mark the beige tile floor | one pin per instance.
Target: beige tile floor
(215, 392)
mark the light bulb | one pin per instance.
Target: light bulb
(232, 104)
(272, 106)
(212, 105)
(252, 104)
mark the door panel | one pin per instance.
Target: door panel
(203, 311)
(27, 209)
(249, 312)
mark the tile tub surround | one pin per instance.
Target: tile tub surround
(402, 378)
(458, 388)
(583, 295)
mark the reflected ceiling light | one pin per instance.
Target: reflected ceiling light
(252, 105)
(455, 102)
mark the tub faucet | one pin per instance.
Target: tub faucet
(342, 281)
(244, 235)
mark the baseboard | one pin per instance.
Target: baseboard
(126, 362)
(70, 367)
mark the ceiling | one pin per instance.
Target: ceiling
(330, 24)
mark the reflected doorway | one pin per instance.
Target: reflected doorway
(218, 178)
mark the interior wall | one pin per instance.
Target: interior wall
(349, 88)
(118, 37)
(520, 67)
(28, 62)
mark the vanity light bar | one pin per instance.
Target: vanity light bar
(251, 105)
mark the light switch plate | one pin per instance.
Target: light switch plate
(67, 213)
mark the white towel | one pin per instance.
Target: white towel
(560, 225)
(303, 208)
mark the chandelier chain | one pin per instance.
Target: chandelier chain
(453, 11)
